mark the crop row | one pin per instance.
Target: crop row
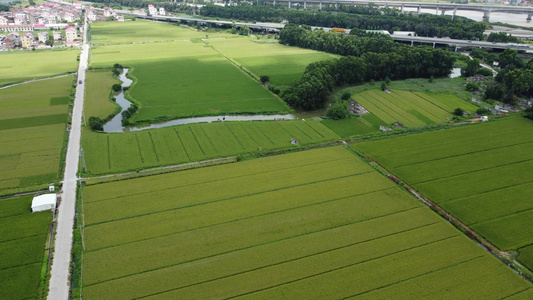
(174, 145)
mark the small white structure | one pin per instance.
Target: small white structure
(162, 11)
(152, 10)
(44, 202)
(484, 118)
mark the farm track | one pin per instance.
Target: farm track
(506, 257)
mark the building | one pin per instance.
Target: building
(14, 28)
(27, 40)
(42, 36)
(151, 10)
(108, 12)
(71, 33)
(57, 35)
(91, 16)
(162, 11)
(120, 18)
(3, 20)
(44, 202)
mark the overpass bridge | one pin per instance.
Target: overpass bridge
(438, 7)
(461, 43)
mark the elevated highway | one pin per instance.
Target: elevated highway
(461, 43)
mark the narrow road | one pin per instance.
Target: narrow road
(59, 278)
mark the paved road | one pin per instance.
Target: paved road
(59, 280)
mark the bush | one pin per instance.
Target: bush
(274, 89)
(483, 111)
(471, 86)
(458, 112)
(338, 111)
(485, 72)
(346, 96)
(264, 79)
(528, 113)
(117, 87)
(96, 123)
(383, 86)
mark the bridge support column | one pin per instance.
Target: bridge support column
(412, 43)
(455, 48)
(454, 12)
(433, 45)
(320, 5)
(486, 15)
(401, 9)
(274, 2)
(529, 16)
(289, 4)
(336, 5)
(418, 10)
(437, 11)
(305, 4)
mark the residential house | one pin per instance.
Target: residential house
(108, 12)
(91, 16)
(43, 36)
(162, 11)
(51, 19)
(69, 17)
(15, 38)
(120, 18)
(151, 10)
(27, 40)
(71, 33)
(57, 35)
(8, 43)
(19, 21)
(3, 20)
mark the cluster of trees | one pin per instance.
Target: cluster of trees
(361, 17)
(502, 37)
(128, 113)
(514, 80)
(365, 59)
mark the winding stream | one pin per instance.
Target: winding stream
(115, 124)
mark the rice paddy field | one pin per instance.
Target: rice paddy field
(317, 224)
(97, 92)
(120, 152)
(21, 66)
(141, 31)
(32, 127)
(412, 109)
(365, 124)
(172, 83)
(482, 174)
(23, 237)
(283, 64)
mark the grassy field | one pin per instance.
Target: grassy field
(97, 93)
(112, 153)
(173, 83)
(142, 31)
(23, 237)
(32, 127)
(412, 109)
(21, 66)
(315, 224)
(353, 126)
(482, 174)
(282, 63)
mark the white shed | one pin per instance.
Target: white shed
(44, 202)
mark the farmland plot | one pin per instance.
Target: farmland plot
(32, 126)
(482, 174)
(112, 153)
(23, 238)
(312, 224)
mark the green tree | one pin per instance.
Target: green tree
(346, 96)
(528, 113)
(264, 79)
(117, 87)
(96, 123)
(471, 68)
(338, 111)
(471, 86)
(459, 112)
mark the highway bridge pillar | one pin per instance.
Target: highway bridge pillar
(412, 43)
(433, 45)
(454, 11)
(455, 48)
(289, 4)
(305, 4)
(437, 11)
(336, 5)
(320, 5)
(401, 8)
(274, 2)
(529, 16)
(418, 10)
(486, 15)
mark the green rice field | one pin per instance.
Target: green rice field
(97, 92)
(142, 31)
(317, 224)
(32, 127)
(412, 109)
(283, 64)
(173, 83)
(23, 237)
(353, 126)
(482, 174)
(22, 66)
(120, 152)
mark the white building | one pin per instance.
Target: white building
(71, 33)
(44, 202)
(42, 36)
(151, 10)
(108, 12)
(91, 16)
(3, 21)
(57, 35)
(162, 11)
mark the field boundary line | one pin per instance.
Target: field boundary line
(501, 217)
(40, 262)
(244, 128)
(153, 145)
(344, 267)
(517, 293)
(139, 148)
(232, 198)
(295, 259)
(417, 276)
(37, 79)
(264, 134)
(182, 146)
(209, 139)
(234, 135)
(482, 193)
(258, 245)
(307, 124)
(505, 257)
(194, 136)
(21, 238)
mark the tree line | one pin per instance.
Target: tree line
(364, 59)
(514, 80)
(362, 17)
